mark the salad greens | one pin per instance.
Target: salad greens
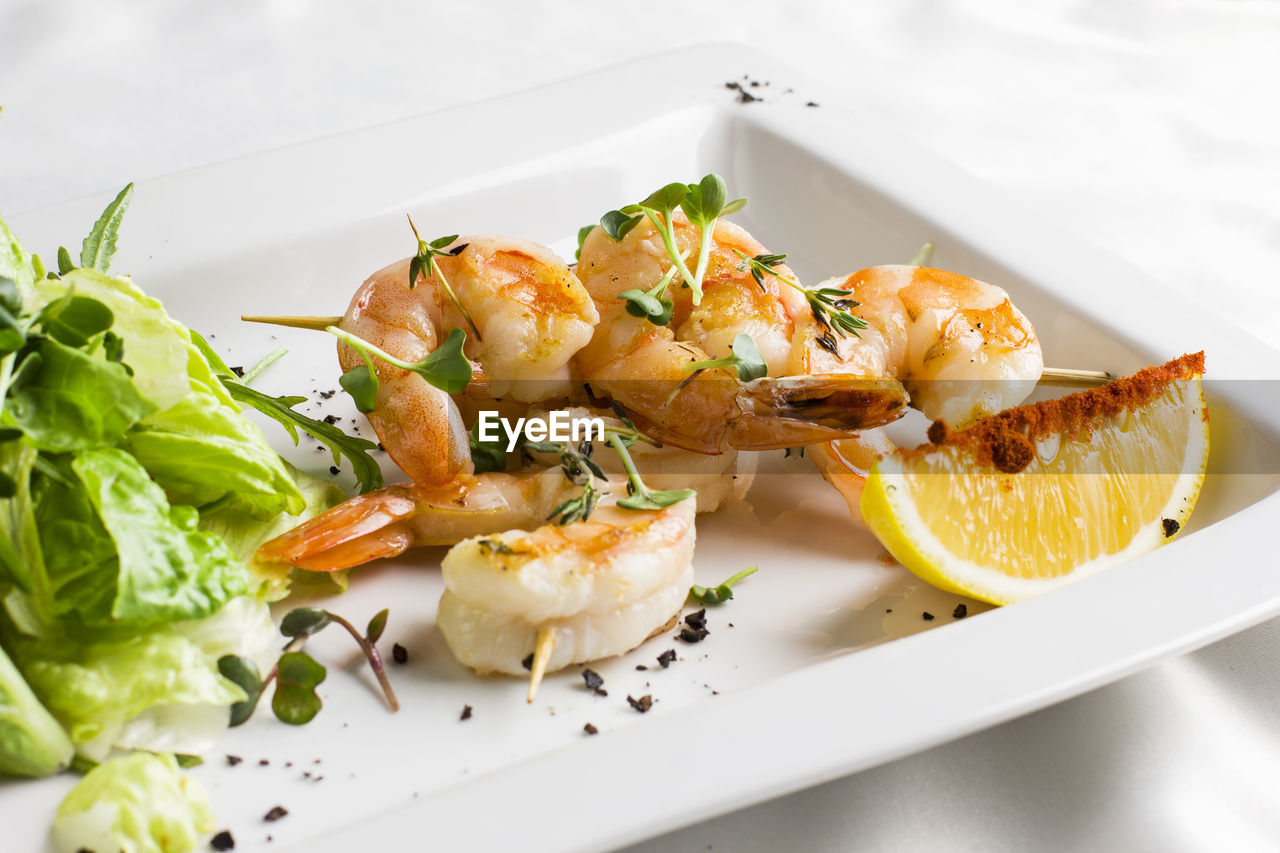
(137, 804)
(133, 497)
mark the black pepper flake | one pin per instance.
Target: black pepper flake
(696, 627)
(641, 668)
(527, 663)
(223, 841)
(643, 704)
(275, 814)
(262, 762)
(961, 611)
(399, 653)
(238, 371)
(325, 395)
(697, 620)
(927, 616)
(288, 764)
(594, 682)
(1170, 525)
(667, 658)
(330, 419)
(466, 713)
(811, 104)
(233, 760)
(334, 469)
(590, 729)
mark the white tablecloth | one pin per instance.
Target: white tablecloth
(1150, 127)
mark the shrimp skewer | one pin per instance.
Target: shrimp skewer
(532, 314)
(639, 365)
(389, 521)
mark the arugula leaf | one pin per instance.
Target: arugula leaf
(295, 701)
(64, 399)
(722, 593)
(100, 246)
(280, 409)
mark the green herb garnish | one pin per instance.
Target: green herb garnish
(446, 367)
(829, 305)
(653, 303)
(424, 265)
(703, 203)
(719, 594)
(486, 456)
(296, 673)
(641, 496)
(100, 246)
(745, 360)
(922, 257)
(266, 361)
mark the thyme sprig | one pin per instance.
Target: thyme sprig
(829, 305)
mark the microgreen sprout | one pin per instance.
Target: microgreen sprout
(745, 360)
(653, 303)
(446, 367)
(640, 495)
(829, 305)
(487, 456)
(267, 360)
(296, 673)
(703, 203)
(922, 257)
(424, 265)
(582, 238)
(719, 594)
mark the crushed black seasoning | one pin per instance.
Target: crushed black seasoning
(466, 713)
(695, 630)
(590, 729)
(275, 814)
(326, 395)
(399, 653)
(594, 682)
(238, 371)
(1170, 525)
(262, 762)
(927, 616)
(961, 611)
(527, 663)
(223, 841)
(330, 419)
(641, 668)
(812, 104)
(233, 760)
(744, 97)
(643, 704)
(667, 658)
(334, 469)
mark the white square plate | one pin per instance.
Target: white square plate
(815, 678)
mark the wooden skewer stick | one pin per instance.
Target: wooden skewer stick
(1074, 378)
(319, 324)
(541, 657)
(1050, 376)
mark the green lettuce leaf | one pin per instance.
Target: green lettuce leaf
(244, 533)
(152, 566)
(68, 400)
(137, 803)
(157, 689)
(202, 453)
(15, 263)
(31, 741)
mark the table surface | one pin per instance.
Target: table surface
(1148, 127)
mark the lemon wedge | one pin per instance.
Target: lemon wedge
(1044, 494)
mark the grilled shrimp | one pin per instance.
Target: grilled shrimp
(588, 590)
(532, 315)
(639, 364)
(958, 344)
(391, 520)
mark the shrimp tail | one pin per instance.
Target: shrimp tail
(790, 411)
(364, 528)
